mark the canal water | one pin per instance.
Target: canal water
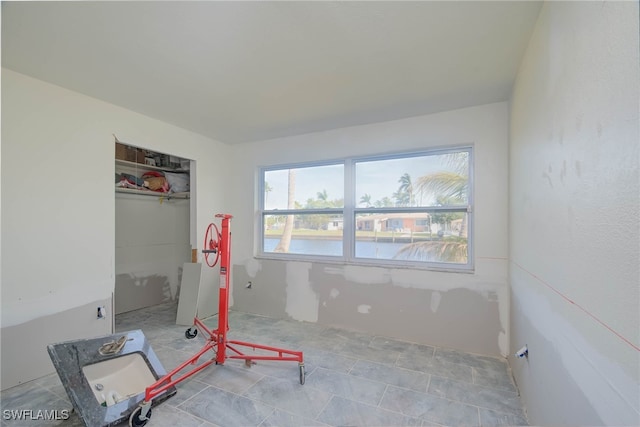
(364, 249)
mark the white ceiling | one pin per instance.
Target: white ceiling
(246, 71)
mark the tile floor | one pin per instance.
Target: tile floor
(352, 379)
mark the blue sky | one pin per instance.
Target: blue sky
(377, 178)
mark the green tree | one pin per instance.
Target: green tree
(406, 186)
(322, 195)
(402, 198)
(336, 203)
(387, 202)
(448, 249)
(267, 189)
(444, 218)
(366, 200)
(447, 187)
(315, 221)
(319, 221)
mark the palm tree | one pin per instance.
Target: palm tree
(267, 189)
(366, 200)
(386, 202)
(447, 250)
(285, 240)
(447, 185)
(322, 195)
(402, 198)
(448, 188)
(406, 187)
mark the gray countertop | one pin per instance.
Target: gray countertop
(71, 356)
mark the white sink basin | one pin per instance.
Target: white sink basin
(117, 379)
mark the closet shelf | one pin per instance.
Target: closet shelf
(168, 196)
(148, 167)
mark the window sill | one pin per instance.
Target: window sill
(365, 263)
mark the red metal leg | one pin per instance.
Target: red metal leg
(167, 382)
(217, 338)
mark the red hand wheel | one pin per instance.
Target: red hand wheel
(211, 244)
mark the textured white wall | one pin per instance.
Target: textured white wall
(574, 216)
(58, 204)
(484, 126)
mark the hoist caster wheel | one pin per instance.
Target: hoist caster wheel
(191, 335)
(134, 419)
(301, 374)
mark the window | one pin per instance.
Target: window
(411, 209)
(304, 210)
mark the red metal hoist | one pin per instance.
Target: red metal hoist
(219, 244)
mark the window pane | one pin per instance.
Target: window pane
(430, 180)
(310, 188)
(438, 237)
(308, 234)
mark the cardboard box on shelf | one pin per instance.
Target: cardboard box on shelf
(125, 152)
(140, 155)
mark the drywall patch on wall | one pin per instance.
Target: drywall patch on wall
(302, 300)
(252, 267)
(404, 312)
(364, 308)
(437, 281)
(320, 293)
(361, 274)
(435, 300)
(504, 304)
(267, 295)
(489, 281)
(133, 291)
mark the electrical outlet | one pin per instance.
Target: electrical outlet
(101, 313)
(523, 352)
